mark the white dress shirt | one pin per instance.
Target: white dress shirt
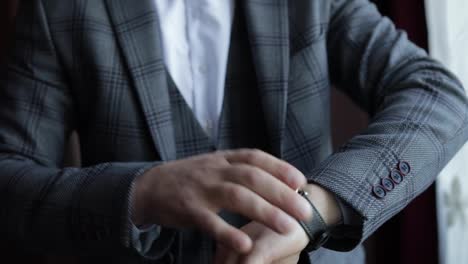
(196, 37)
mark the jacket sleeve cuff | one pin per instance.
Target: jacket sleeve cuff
(143, 238)
(151, 242)
(349, 216)
(348, 234)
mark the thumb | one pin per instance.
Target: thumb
(255, 257)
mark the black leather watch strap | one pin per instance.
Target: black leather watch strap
(316, 229)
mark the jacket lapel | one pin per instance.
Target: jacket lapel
(268, 29)
(137, 31)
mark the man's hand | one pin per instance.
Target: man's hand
(269, 247)
(190, 193)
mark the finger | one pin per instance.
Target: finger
(271, 189)
(263, 252)
(257, 256)
(221, 231)
(237, 198)
(293, 259)
(276, 167)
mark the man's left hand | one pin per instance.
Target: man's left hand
(269, 247)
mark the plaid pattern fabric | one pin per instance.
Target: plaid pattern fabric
(96, 66)
(241, 126)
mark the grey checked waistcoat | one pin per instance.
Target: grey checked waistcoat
(241, 125)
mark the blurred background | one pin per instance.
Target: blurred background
(432, 229)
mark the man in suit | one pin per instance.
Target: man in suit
(171, 99)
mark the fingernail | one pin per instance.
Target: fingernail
(304, 209)
(287, 223)
(297, 179)
(244, 245)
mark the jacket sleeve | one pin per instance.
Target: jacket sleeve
(418, 116)
(46, 208)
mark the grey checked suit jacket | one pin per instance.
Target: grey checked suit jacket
(96, 66)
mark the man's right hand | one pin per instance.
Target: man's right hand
(190, 193)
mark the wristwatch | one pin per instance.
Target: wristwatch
(316, 229)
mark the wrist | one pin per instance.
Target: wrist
(326, 204)
(316, 229)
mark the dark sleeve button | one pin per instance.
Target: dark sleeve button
(396, 176)
(404, 167)
(379, 191)
(388, 184)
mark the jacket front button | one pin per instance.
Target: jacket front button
(396, 176)
(404, 167)
(379, 191)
